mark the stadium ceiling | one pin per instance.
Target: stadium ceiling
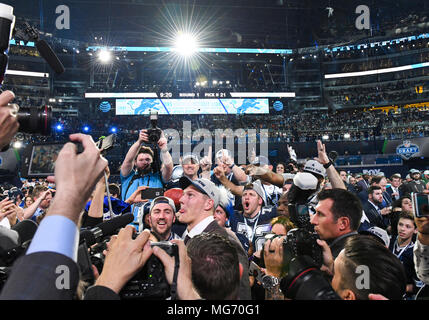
(222, 23)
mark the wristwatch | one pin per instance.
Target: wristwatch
(232, 166)
(269, 282)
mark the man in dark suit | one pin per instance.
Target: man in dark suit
(198, 203)
(393, 190)
(49, 270)
(363, 184)
(377, 217)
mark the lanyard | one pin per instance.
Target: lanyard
(403, 249)
(252, 235)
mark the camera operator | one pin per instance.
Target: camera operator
(338, 215)
(55, 242)
(138, 167)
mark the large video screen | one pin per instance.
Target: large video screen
(192, 106)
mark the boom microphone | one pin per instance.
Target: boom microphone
(107, 228)
(49, 55)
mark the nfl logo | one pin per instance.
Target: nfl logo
(407, 150)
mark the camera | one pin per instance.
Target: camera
(150, 282)
(31, 120)
(154, 133)
(298, 242)
(35, 120)
(305, 281)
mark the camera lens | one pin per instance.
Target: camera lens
(35, 120)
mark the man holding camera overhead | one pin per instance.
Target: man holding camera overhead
(138, 170)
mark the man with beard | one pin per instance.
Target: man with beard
(137, 168)
(377, 217)
(161, 218)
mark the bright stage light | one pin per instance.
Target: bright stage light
(347, 136)
(186, 44)
(104, 56)
(17, 144)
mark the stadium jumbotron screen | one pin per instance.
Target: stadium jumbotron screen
(192, 106)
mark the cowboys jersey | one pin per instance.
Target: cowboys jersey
(253, 230)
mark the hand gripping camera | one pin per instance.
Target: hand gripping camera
(150, 282)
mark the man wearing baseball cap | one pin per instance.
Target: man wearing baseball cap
(253, 223)
(161, 218)
(415, 185)
(189, 167)
(197, 205)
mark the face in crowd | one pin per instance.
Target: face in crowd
(324, 222)
(220, 216)
(192, 204)
(280, 168)
(407, 205)
(161, 219)
(376, 197)
(251, 202)
(143, 161)
(190, 168)
(343, 175)
(406, 229)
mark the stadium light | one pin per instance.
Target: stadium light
(186, 44)
(104, 56)
(17, 144)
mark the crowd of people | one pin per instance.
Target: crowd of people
(221, 231)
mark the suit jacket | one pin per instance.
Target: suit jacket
(363, 186)
(42, 276)
(375, 218)
(244, 291)
(389, 191)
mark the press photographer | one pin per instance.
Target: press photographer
(140, 166)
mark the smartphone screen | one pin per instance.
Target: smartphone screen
(42, 160)
(420, 203)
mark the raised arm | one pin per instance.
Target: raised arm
(332, 173)
(220, 174)
(127, 164)
(166, 159)
(266, 175)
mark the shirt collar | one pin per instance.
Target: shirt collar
(199, 228)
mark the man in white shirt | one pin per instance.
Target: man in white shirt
(197, 205)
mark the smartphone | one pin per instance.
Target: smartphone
(420, 202)
(38, 160)
(152, 193)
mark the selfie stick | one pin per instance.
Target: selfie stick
(111, 214)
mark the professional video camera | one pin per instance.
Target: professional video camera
(305, 281)
(154, 132)
(298, 242)
(150, 282)
(31, 119)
